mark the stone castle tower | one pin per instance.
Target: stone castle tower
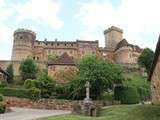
(113, 36)
(23, 44)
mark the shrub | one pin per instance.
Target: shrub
(46, 85)
(108, 96)
(23, 93)
(1, 97)
(144, 93)
(35, 93)
(127, 95)
(3, 83)
(2, 107)
(29, 83)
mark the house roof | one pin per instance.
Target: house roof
(64, 59)
(124, 42)
(155, 60)
(2, 71)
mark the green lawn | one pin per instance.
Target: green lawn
(121, 112)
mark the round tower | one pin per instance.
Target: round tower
(23, 44)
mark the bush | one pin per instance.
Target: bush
(3, 83)
(1, 97)
(126, 94)
(35, 93)
(29, 83)
(22, 93)
(2, 107)
(108, 96)
(144, 93)
(46, 85)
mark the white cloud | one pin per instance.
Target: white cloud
(41, 11)
(136, 17)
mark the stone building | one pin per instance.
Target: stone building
(154, 76)
(3, 74)
(116, 49)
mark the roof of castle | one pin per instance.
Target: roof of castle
(155, 60)
(64, 59)
(19, 30)
(124, 43)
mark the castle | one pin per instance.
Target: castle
(116, 49)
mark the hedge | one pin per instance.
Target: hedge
(2, 107)
(22, 93)
(126, 94)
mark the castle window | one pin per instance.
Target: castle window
(38, 43)
(34, 58)
(37, 58)
(52, 44)
(21, 37)
(65, 44)
(72, 44)
(57, 44)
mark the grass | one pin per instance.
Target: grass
(120, 112)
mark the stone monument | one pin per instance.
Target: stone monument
(89, 108)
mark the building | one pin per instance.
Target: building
(154, 76)
(3, 74)
(116, 49)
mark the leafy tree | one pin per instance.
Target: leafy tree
(146, 58)
(28, 69)
(100, 73)
(9, 70)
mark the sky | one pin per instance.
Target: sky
(68, 20)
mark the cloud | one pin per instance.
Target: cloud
(25, 14)
(136, 17)
(41, 11)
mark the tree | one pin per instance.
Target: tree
(9, 70)
(28, 69)
(100, 73)
(146, 59)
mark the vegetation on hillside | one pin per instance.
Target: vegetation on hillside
(146, 59)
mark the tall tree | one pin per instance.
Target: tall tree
(100, 73)
(28, 69)
(9, 70)
(146, 59)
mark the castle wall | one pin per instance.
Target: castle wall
(123, 56)
(58, 72)
(155, 84)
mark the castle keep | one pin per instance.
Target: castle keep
(25, 44)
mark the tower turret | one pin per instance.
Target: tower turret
(113, 36)
(23, 44)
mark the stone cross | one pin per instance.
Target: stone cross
(87, 85)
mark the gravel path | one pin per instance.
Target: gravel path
(30, 114)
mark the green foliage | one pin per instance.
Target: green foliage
(140, 82)
(126, 94)
(28, 69)
(35, 93)
(3, 83)
(46, 84)
(2, 107)
(9, 70)
(16, 92)
(146, 58)
(108, 96)
(100, 73)
(29, 83)
(1, 97)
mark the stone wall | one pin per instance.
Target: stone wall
(43, 103)
(155, 84)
